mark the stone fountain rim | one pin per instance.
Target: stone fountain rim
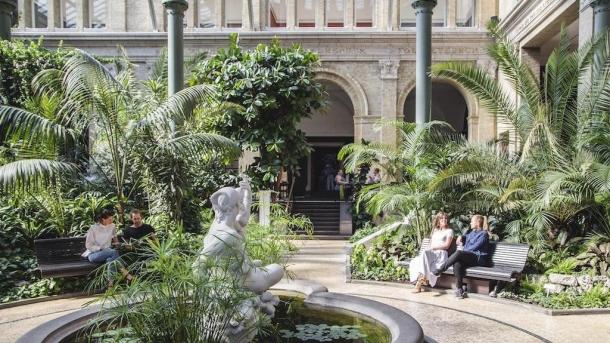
(403, 327)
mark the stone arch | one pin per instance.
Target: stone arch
(349, 85)
(471, 101)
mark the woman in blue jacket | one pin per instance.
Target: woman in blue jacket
(475, 252)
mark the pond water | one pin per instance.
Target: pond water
(294, 322)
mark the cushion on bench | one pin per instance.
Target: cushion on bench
(59, 257)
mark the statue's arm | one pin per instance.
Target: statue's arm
(244, 212)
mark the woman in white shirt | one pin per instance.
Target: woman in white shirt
(100, 238)
(421, 267)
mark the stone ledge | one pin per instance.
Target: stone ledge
(47, 298)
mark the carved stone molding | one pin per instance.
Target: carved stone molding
(389, 69)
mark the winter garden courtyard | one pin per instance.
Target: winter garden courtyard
(85, 140)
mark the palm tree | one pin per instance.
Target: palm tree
(409, 168)
(94, 101)
(554, 177)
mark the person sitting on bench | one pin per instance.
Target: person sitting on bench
(98, 242)
(475, 252)
(138, 230)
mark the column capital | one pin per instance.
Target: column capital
(599, 3)
(389, 69)
(420, 5)
(10, 7)
(176, 5)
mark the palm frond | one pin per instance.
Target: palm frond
(34, 174)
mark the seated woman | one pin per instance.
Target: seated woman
(100, 238)
(475, 253)
(421, 267)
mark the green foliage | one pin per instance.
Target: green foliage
(20, 62)
(421, 154)
(533, 292)
(555, 187)
(274, 243)
(276, 88)
(369, 264)
(168, 302)
(361, 233)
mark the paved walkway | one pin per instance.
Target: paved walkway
(443, 318)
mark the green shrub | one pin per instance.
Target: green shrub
(369, 264)
(19, 64)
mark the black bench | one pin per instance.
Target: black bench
(507, 263)
(60, 257)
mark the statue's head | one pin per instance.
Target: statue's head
(225, 203)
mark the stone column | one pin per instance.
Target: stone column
(601, 10)
(117, 16)
(423, 83)
(246, 15)
(394, 15)
(192, 15)
(53, 14)
(175, 49)
(82, 14)
(389, 90)
(219, 21)
(320, 14)
(291, 14)
(451, 12)
(25, 14)
(8, 17)
(348, 13)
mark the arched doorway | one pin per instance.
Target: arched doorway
(448, 105)
(327, 131)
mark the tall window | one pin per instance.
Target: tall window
(306, 13)
(233, 13)
(464, 14)
(39, 13)
(207, 13)
(98, 10)
(277, 13)
(365, 13)
(407, 14)
(68, 14)
(335, 13)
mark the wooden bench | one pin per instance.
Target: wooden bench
(507, 263)
(60, 257)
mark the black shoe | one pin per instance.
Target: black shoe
(459, 293)
(437, 272)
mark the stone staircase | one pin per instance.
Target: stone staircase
(324, 214)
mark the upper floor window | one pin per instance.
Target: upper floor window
(277, 13)
(364, 13)
(207, 13)
(98, 10)
(39, 13)
(306, 13)
(68, 14)
(335, 13)
(407, 14)
(233, 13)
(464, 14)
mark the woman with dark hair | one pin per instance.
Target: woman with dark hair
(475, 252)
(100, 238)
(421, 267)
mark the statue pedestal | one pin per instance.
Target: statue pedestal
(345, 218)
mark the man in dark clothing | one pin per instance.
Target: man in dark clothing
(138, 229)
(475, 253)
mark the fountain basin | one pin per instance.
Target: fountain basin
(382, 322)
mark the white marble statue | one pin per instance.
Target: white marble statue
(226, 240)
